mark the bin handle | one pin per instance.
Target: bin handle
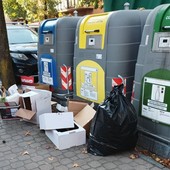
(89, 31)
(166, 27)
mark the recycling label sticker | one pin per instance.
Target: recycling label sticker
(155, 101)
(47, 74)
(89, 82)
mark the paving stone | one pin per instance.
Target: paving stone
(56, 164)
(62, 167)
(9, 156)
(17, 150)
(17, 137)
(6, 168)
(5, 136)
(77, 168)
(17, 164)
(94, 164)
(156, 168)
(109, 165)
(13, 160)
(126, 167)
(1, 154)
(29, 138)
(56, 153)
(126, 160)
(28, 161)
(85, 167)
(165, 168)
(74, 158)
(65, 161)
(4, 148)
(4, 163)
(31, 166)
(23, 157)
(21, 168)
(69, 154)
(101, 168)
(37, 158)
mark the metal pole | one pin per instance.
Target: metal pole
(75, 13)
(126, 6)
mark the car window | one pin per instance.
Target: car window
(21, 36)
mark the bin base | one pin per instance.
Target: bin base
(154, 144)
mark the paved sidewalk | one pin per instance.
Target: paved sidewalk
(23, 146)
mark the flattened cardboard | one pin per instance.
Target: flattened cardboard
(60, 120)
(24, 113)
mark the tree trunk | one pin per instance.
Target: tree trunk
(6, 69)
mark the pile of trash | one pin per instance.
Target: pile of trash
(112, 128)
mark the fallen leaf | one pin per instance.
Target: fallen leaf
(145, 152)
(27, 133)
(164, 162)
(25, 153)
(51, 158)
(157, 159)
(84, 151)
(134, 156)
(29, 143)
(48, 147)
(75, 165)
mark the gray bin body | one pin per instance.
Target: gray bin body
(152, 81)
(118, 55)
(56, 51)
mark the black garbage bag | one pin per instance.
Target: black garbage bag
(114, 126)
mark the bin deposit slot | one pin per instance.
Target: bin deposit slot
(89, 31)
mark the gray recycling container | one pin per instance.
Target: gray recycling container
(152, 83)
(55, 53)
(106, 46)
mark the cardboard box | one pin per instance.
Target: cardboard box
(66, 138)
(37, 101)
(8, 110)
(43, 104)
(36, 86)
(83, 114)
(60, 120)
(29, 100)
(13, 98)
(84, 117)
(76, 106)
